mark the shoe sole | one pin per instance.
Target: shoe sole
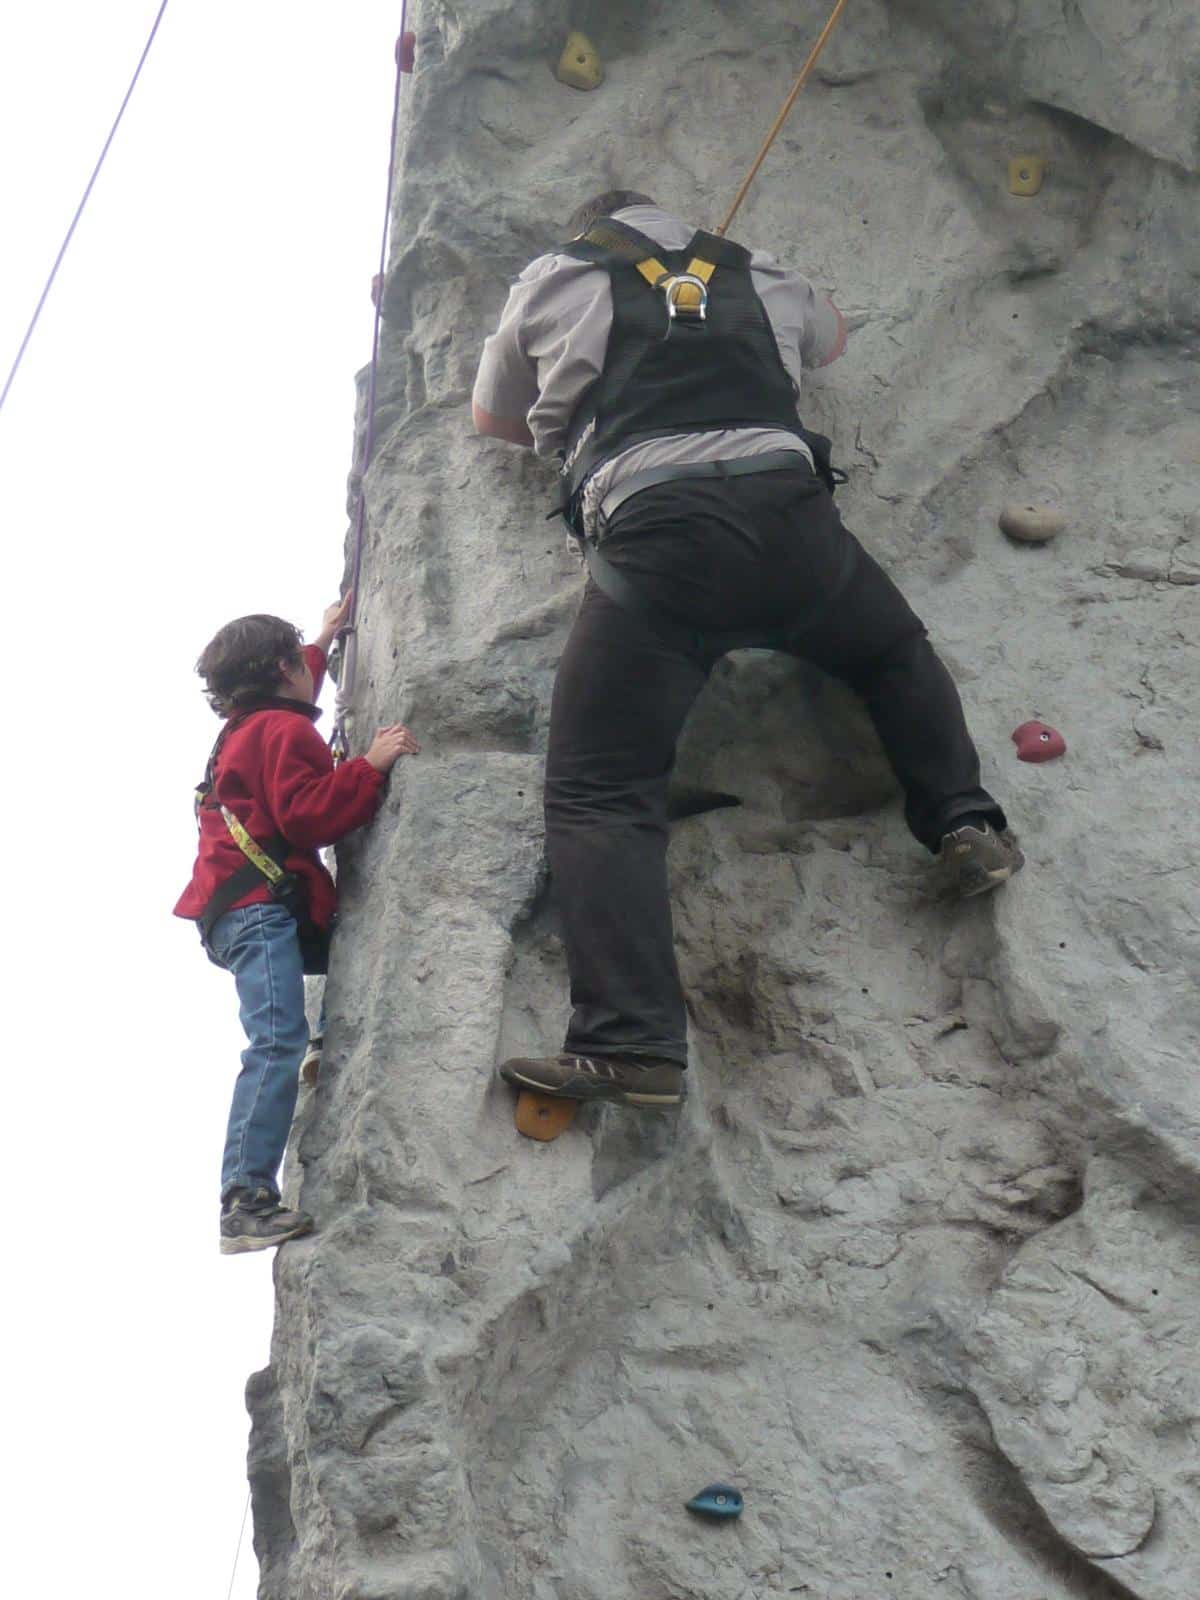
(244, 1244)
(613, 1096)
(990, 880)
(982, 881)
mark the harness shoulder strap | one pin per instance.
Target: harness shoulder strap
(608, 240)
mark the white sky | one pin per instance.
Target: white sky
(173, 454)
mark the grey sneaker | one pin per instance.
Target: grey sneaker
(632, 1080)
(254, 1219)
(310, 1067)
(979, 859)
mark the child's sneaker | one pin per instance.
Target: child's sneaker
(254, 1219)
(310, 1067)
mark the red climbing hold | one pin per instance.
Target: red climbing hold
(377, 283)
(406, 51)
(1036, 742)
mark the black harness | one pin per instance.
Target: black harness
(681, 358)
(691, 350)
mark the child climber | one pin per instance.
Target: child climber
(263, 901)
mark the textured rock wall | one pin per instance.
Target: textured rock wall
(917, 1264)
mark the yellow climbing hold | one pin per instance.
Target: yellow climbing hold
(579, 65)
(1025, 174)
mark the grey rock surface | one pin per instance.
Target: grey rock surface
(916, 1265)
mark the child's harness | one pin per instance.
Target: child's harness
(264, 863)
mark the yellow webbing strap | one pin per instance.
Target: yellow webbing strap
(270, 869)
(687, 296)
(653, 271)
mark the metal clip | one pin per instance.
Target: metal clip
(690, 313)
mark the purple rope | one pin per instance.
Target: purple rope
(350, 656)
(8, 383)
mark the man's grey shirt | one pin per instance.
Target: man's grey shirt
(549, 349)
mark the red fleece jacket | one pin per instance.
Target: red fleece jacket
(276, 775)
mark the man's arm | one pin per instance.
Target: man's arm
(506, 385)
(810, 329)
(834, 327)
(515, 430)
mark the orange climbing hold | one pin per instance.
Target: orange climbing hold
(543, 1116)
(406, 51)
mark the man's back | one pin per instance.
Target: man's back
(550, 345)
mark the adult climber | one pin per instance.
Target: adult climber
(662, 365)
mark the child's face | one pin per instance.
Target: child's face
(296, 680)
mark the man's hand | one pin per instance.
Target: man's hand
(514, 430)
(389, 744)
(331, 622)
(835, 340)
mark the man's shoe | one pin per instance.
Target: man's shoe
(310, 1067)
(632, 1080)
(979, 859)
(254, 1219)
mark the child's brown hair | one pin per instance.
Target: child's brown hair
(241, 662)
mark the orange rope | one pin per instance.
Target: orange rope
(783, 115)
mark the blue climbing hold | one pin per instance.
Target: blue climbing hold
(718, 1500)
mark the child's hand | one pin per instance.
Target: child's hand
(333, 620)
(389, 744)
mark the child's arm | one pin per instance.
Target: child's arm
(314, 803)
(388, 745)
(332, 622)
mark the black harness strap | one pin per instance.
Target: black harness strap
(245, 879)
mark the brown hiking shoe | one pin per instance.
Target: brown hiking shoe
(632, 1080)
(979, 859)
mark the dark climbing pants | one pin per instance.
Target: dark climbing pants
(766, 550)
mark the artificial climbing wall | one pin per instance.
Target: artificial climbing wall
(918, 1265)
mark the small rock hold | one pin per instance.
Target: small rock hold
(1184, 569)
(717, 1500)
(579, 65)
(1037, 742)
(1150, 727)
(1147, 565)
(1026, 174)
(1031, 524)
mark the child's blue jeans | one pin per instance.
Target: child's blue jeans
(259, 945)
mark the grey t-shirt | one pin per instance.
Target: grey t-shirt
(550, 344)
